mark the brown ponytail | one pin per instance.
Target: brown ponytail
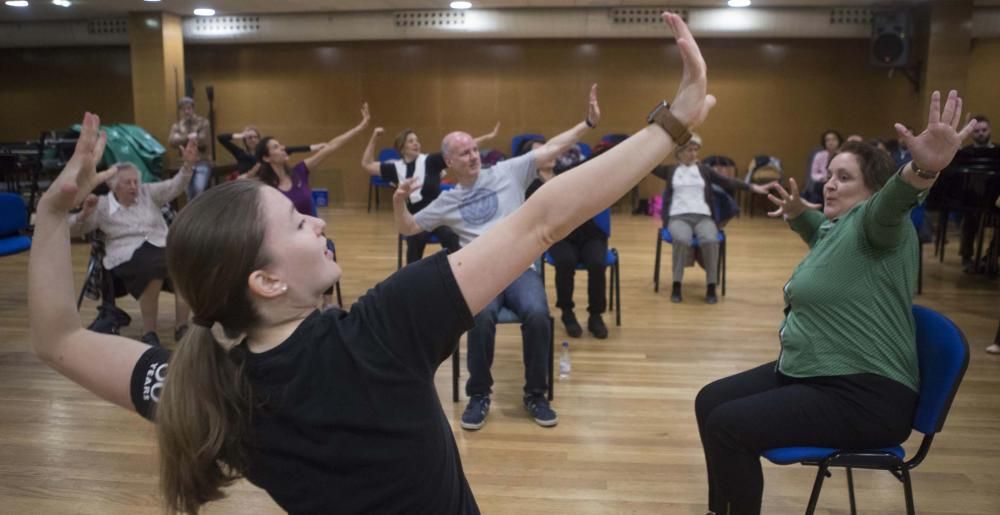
(205, 412)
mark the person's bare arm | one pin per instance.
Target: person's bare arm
(492, 261)
(99, 362)
(313, 161)
(368, 162)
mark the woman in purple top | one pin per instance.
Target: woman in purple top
(294, 181)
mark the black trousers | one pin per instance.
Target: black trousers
(742, 415)
(415, 244)
(592, 252)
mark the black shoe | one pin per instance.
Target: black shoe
(710, 295)
(675, 293)
(572, 326)
(110, 319)
(595, 324)
(151, 339)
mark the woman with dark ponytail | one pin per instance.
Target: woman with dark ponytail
(328, 411)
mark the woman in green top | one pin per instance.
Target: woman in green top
(847, 373)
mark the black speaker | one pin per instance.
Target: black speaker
(892, 37)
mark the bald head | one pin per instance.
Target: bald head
(461, 154)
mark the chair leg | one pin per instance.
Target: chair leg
(722, 263)
(456, 359)
(552, 351)
(370, 186)
(656, 268)
(611, 288)
(618, 291)
(942, 234)
(399, 252)
(850, 491)
(91, 266)
(908, 491)
(817, 486)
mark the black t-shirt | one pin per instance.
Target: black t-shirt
(433, 167)
(348, 419)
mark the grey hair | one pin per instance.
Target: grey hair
(185, 101)
(122, 166)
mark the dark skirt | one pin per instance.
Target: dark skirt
(148, 263)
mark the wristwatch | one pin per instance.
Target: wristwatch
(662, 116)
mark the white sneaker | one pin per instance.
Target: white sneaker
(993, 349)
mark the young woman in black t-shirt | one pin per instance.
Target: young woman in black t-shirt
(327, 411)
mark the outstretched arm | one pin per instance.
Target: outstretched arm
(489, 135)
(491, 262)
(405, 223)
(100, 363)
(932, 150)
(316, 159)
(557, 145)
(368, 162)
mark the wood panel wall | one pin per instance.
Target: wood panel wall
(775, 97)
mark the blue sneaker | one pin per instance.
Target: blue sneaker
(539, 408)
(474, 416)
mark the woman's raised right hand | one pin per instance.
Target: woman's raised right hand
(691, 103)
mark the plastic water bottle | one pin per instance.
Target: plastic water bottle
(564, 363)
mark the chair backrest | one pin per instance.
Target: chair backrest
(764, 168)
(517, 141)
(918, 214)
(13, 214)
(603, 220)
(388, 154)
(585, 150)
(943, 355)
(614, 138)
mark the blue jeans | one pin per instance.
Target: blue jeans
(526, 298)
(199, 181)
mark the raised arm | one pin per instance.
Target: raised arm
(802, 217)
(100, 363)
(489, 135)
(313, 161)
(557, 145)
(405, 223)
(226, 139)
(932, 150)
(165, 191)
(368, 162)
(495, 259)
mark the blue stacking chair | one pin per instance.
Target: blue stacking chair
(918, 215)
(13, 223)
(505, 316)
(663, 235)
(612, 261)
(376, 181)
(585, 150)
(943, 355)
(516, 141)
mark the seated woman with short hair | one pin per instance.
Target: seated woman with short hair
(847, 375)
(136, 236)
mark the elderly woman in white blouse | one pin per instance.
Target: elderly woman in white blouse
(131, 219)
(689, 210)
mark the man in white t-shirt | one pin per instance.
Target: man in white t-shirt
(481, 200)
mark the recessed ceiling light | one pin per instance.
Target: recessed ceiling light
(461, 5)
(204, 11)
(17, 3)
(150, 0)
(739, 3)
(61, 3)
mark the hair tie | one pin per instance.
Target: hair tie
(201, 322)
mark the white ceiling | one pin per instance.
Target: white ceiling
(85, 9)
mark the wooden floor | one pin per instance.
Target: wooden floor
(626, 440)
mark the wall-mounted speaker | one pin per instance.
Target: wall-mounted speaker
(892, 38)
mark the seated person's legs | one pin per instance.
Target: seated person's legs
(743, 415)
(415, 246)
(594, 254)
(448, 238)
(566, 256)
(145, 275)
(526, 297)
(481, 344)
(970, 226)
(708, 242)
(682, 232)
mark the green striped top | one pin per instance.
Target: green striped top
(847, 304)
